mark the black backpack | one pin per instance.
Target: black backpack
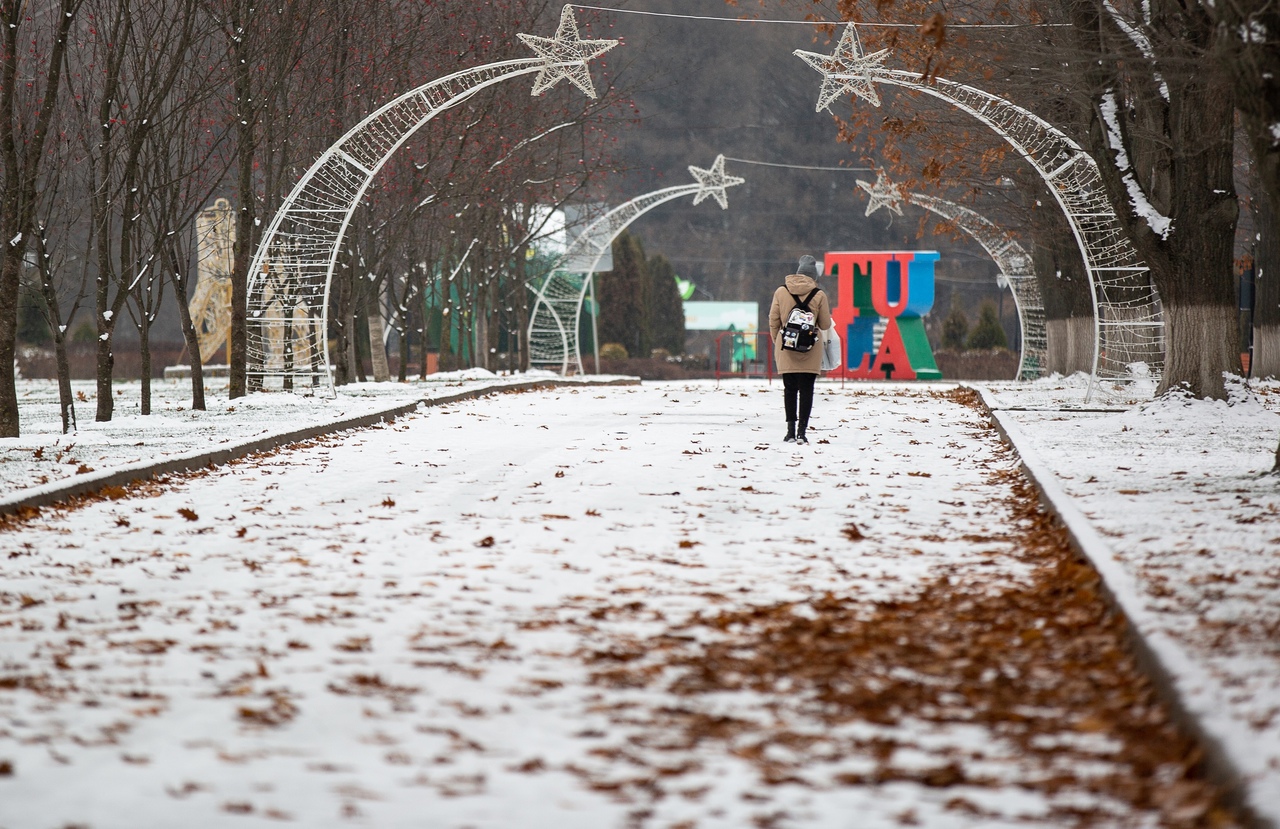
(801, 331)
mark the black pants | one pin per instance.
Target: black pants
(798, 385)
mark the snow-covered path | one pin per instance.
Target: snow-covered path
(581, 608)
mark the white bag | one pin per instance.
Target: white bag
(830, 349)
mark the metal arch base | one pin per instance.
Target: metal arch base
(289, 280)
(1128, 323)
(1015, 266)
(557, 309)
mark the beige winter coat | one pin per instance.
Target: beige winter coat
(809, 362)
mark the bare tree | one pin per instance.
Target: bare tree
(263, 48)
(140, 51)
(1249, 51)
(185, 163)
(33, 47)
(1161, 129)
(59, 259)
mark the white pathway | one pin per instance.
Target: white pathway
(43, 455)
(399, 628)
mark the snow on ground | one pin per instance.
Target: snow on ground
(1177, 487)
(582, 608)
(43, 454)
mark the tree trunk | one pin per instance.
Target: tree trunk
(519, 316)
(1266, 298)
(1070, 345)
(377, 348)
(1266, 352)
(406, 319)
(105, 366)
(480, 338)
(425, 349)
(144, 349)
(190, 337)
(66, 401)
(353, 343)
(246, 217)
(342, 364)
(9, 280)
(1201, 347)
(286, 344)
(1068, 301)
(445, 361)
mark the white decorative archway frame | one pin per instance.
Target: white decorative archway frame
(1010, 257)
(556, 316)
(292, 270)
(1128, 321)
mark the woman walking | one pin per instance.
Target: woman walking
(797, 351)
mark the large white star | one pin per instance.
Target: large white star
(846, 70)
(566, 55)
(713, 182)
(883, 193)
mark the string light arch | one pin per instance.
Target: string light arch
(1128, 321)
(1010, 257)
(292, 270)
(556, 317)
(291, 274)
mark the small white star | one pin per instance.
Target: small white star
(883, 193)
(713, 182)
(846, 70)
(566, 55)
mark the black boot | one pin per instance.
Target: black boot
(800, 438)
(791, 432)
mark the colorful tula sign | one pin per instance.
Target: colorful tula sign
(882, 297)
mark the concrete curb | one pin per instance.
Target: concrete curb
(1159, 656)
(57, 491)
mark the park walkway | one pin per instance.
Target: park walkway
(583, 608)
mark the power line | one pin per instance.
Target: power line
(802, 166)
(815, 22)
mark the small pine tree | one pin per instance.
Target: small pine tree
(988, 333)
(33, 326)
(84, 333)
(955, 328)
(624, 297)
(666, 308)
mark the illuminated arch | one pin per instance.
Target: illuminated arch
(557, 307)
(292, 270)
(1128, 323)
(1010, 257)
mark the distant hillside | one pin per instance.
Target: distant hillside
(711, 87)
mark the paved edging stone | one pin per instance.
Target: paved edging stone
(56, 491)
(1159, 656)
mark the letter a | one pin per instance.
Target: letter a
(892, 360)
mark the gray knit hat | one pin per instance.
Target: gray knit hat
(808, 266)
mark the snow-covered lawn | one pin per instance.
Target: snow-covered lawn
(43, 454)
(1178, 492)
(587, 607)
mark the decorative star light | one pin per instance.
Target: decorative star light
(566, 55)
(713, 182)
(846, 70)
(883, 193)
